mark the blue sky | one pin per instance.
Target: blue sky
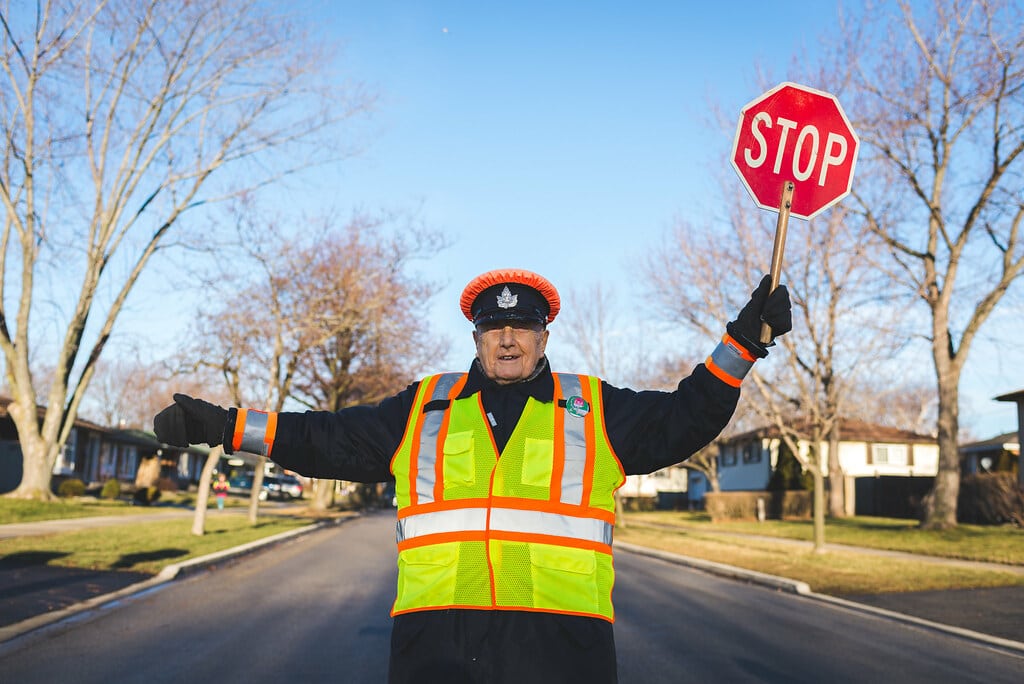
(551, 137)
(565, 137)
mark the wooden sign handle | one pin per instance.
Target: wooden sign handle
(785, 203)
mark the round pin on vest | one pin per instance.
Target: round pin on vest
(577, 406)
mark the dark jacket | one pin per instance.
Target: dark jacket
(648, 430)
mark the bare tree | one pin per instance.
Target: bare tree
(252, 336)
(617, 354)
(909, 405)
(362, 306)
(938, 101)
(329, 321)
(699, 278)
(119, 118)
(127, 392)
(589, 320)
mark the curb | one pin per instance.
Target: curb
(169, 573)
(804, 589)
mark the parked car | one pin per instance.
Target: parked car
(282, 487)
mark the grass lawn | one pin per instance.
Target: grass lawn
(19, 510)
(997, 544)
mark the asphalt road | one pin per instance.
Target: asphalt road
(316, 609)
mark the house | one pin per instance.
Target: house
(1018, 398)
(998, 454)
(95, 454)
(886, 470)
(665, 489)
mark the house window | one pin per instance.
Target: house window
(65, 463)
(108, 460)
(752, 453)
(128, 464)
(728, 457)
(889, 454)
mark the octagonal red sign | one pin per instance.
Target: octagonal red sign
(795, 133)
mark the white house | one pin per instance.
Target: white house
(664, 487)
(878, 462)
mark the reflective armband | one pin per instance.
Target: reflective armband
(730, 361)
(254, 431)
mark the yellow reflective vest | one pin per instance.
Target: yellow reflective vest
(529, 529)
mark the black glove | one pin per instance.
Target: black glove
(190, 421)
(773, 309)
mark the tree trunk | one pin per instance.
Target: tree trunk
(819, 511)
(203, 496)
(322, 498)
(37, 458)
(940, 504)
(36, 474)
(818, 499)
(836, 477)
(712, 475)
(257, 487)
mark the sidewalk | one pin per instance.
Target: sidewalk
(72, 524)
(34, 594)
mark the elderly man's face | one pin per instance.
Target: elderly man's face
(509, 350)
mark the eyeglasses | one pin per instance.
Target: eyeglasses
(517, 325)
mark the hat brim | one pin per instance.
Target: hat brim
(501, 315)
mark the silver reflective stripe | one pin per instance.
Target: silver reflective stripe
(539, 522)
(461, 520)
(574, 439)
(444, 385)
(254, 433)
(730, 359)
(505, 520)
(426, 459)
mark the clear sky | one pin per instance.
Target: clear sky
(563, 137)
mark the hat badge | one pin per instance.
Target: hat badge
(507, 300)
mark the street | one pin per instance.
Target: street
(316, 609)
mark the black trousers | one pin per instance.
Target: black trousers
(496, 646)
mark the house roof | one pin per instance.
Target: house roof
(850, 430)
(1007, 442)
(1012, 396)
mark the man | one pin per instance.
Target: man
(504, 478)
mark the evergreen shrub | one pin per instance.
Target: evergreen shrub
(71, 487)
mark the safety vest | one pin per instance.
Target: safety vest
(531, 530)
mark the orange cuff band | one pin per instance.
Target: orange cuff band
(730, 361)
(254, 431)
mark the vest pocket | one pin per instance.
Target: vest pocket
(538, 460)
(426, 576)
(564, 578)
(459, 460)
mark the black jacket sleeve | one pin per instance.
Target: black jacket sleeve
(651, 430)
(354, 444)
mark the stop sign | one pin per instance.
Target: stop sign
(799, 134)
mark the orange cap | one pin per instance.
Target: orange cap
(510, 276)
